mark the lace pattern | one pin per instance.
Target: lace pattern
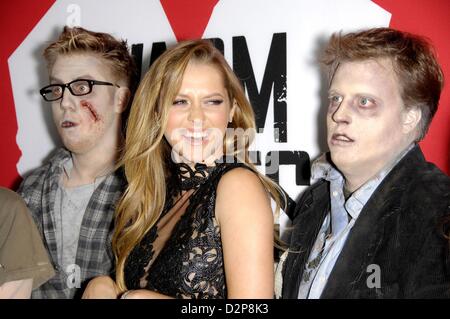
(181, 256)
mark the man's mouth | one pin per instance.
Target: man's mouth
(68, 124)
(341, 139)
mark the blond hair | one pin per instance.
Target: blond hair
(147, 152)
(78, 40)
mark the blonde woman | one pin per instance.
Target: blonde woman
(196, 218)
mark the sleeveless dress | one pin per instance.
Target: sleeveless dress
(181, 255)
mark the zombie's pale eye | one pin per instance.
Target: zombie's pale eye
(335, 100)
(366, 101)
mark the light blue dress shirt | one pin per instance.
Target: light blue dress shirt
(330, 240)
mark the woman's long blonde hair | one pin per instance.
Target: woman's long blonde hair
(147, 152)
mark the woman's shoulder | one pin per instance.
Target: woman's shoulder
(232, 167)
(236, 175)
(239, 173)
(242, 198)
(240, 185)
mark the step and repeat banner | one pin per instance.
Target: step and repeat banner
(272, 45)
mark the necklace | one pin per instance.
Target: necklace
(326, 244)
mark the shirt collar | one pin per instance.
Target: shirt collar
(323, 169)
(67, 165)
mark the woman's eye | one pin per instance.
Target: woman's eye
(214, 102)
(179, 102)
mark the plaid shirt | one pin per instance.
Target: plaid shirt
(94, 254)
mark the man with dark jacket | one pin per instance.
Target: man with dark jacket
(369, 228)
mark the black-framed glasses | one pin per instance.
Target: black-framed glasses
(77, 87)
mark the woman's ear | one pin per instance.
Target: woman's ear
(123, 95)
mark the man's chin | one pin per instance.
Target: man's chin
(77, 147)
(344, 161)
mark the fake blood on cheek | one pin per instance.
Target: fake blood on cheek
(90, 108)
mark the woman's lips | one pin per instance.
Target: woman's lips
(192, 134)
(196, 138)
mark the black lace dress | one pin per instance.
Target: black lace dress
(181, 256)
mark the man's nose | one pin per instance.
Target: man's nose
(342, 113)
(67, 100)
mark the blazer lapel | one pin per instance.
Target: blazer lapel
(310, 216)
(368, 232)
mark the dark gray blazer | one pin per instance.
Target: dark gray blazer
(398, 230)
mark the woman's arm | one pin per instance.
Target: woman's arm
(245, 217)
(101, 287)
(144, 294)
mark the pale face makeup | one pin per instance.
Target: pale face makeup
(90, 122)
(199, 115)
(365, 117)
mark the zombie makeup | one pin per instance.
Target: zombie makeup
(365, 117)
(90, 108)
(362, 104)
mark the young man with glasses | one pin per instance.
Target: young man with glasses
(72, 198)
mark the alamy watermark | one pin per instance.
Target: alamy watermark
(73, 273)
(374, 279)
(210, 144)
(74, 18)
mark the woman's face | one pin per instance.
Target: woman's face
(199, 115)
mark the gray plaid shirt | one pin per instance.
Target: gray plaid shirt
(94, 254)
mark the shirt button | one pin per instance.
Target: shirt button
(335, 193)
